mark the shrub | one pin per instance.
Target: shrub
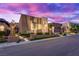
(64, 34)
(2, 33)
(38, 37)
(46, 33)
(39, 33)
(25, 34)
(2, 40)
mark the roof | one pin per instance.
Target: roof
(4, 21)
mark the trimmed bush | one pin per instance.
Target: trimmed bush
(2, 33)
(38, 37)
(46, 33)
(2, 40)
(64, 34)
(25, 34)
(40, 33)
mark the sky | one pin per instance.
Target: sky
(55, 12)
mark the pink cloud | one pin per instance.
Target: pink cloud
(39, 14)
(48, 14)
(5, 11)
(33, 7)
(57, 18)
(15, 4)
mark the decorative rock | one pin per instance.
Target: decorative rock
(21, 37)
(25, 39)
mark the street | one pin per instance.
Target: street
(63, 46)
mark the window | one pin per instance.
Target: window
(1, 28)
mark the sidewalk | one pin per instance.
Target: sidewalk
(11, 44)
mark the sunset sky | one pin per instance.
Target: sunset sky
(55, 12)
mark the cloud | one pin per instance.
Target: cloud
(15, 4)
(75, 21)
(32, 7)
(56, 12)
(22, 12)
(6, 11)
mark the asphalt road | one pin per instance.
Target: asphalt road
(64, 46)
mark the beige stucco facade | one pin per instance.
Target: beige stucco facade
(33, 24)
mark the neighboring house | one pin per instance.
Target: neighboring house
(4, 26)
(66, 27)
(57, 28)
(33, 24)
(60, 28)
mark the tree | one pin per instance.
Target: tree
(75, 28)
